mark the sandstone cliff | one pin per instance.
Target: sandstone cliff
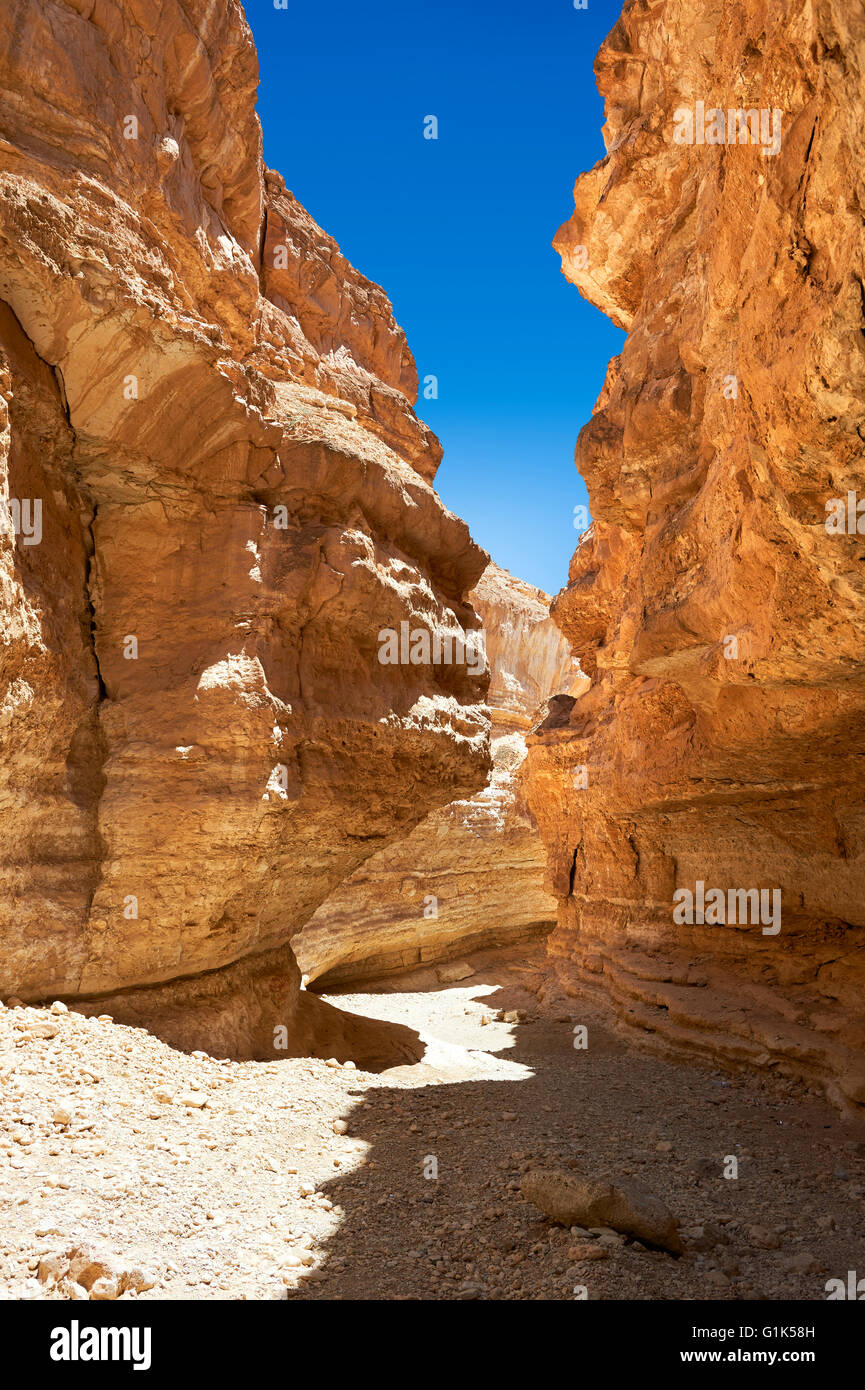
(211, 411)
(722, 623)
(471, 874)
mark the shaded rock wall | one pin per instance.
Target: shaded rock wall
(215, 411)
(722, 624)
(471, 874)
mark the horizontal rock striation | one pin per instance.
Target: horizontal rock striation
(213, 410)
(720, 614)
(470, 876)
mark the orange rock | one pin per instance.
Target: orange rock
(721, 620)
(199, 738)
(471, 875)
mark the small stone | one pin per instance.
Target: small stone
(41, 1029)
(104, 1290)
(58, 1007)
(340, 1127)
(703, 1237)
(801, 1263)
(588, 1250)
(73, 1291)
(52, 1269)
(763, 1238)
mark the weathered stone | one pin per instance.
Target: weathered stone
(573, 1200)
(587, 1250)
(104, 1290)
(86, 1265)
(52, 1269)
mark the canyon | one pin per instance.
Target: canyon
(334, 852)
(471, 875)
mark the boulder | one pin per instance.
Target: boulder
(572, 1199)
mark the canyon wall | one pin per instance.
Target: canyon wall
(715, 601)
(210, 413)
(471, 875)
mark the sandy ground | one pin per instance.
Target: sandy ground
(305, 1179)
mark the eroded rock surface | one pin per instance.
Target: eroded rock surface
(471, 874)
(721, 621)
(573, 1199)
(214, 410)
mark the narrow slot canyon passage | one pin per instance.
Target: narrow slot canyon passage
(374, 923)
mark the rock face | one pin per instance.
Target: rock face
(471, 874)
(716, 605)
(209, 411)
(529, 660)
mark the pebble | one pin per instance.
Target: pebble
(588, 1250)
(763, 1238)
(375, 1223)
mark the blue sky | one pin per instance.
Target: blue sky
(458, 230)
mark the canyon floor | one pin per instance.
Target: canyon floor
(191, 1177)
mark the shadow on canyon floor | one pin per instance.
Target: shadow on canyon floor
(781, 1229)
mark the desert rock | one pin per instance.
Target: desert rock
(720, 617)
(625, 1205)
(213, 412)
(471, 875)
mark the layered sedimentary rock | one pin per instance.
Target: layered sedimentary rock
(528, 658)
(471, 875)
(716, 605)
(211, 412)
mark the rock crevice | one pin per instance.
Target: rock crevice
(470, 876)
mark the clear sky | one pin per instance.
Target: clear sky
(457, 230)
